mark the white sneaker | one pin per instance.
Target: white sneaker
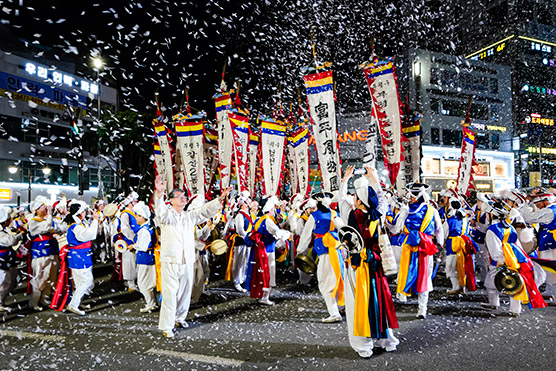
(168, 334)
(266, 302)
(5, 309)
(238, 288)
(182, 324)
(332, 319)
(37, 308)
(365, 354)
(147, 309)
(75, 310)
(401, 297)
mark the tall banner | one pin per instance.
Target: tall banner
(240, 129)
(369, 157)
(410, 168)
(292, 167)
(320, 100)
(273, 135)
(164, 165)
(381, 80)
(300, 143)
(223, 103)
(466, 162)
(189, 133)
(253, 160)
(210, 150)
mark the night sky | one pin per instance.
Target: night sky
(164, 46)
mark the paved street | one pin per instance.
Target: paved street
(231, 330)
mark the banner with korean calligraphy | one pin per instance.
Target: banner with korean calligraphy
(410, 167)
(189, 133)
(369, 157)
(253, 160)
(292, 167)
(223, 104)
(240, 129)
(163, 162)
(273, 135)
(381, 80)
(300, 142)
(320, 100)
(466, 162)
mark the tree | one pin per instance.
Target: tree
(126, 137)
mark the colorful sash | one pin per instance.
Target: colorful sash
(413, 274)
(529, 294)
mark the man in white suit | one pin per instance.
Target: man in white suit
(177, 252)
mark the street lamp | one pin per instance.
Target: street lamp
(46, 171)
(13, 169)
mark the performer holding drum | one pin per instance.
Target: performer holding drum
(330, 259)
(506, 252)
(370, 312)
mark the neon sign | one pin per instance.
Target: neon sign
(538, 90)
(538, 119)
(541, 47)
(545, 150)
(60, 78)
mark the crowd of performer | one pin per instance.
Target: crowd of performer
(353, 244)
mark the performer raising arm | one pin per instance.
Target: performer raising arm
(177, 252)
(370, 312)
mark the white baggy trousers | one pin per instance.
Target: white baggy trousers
(177, 282)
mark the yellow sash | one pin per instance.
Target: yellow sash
(406, 253)
(228, 276)
(511, 262)
(458, 246)
(361, 325)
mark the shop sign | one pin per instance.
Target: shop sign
(5, 194)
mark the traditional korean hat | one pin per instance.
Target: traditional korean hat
(4, 214)
(419, 190)
(543, 196)
(143, 210)
(497, 208)
(39, 201)
(78, 207)
(361, 185)
(308, 203)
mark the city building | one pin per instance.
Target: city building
(522, 35)
(439, 87)
(44, 105)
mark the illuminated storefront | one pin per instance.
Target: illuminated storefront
(494, 170)
(531, 55)
(37, 141)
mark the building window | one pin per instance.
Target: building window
(482, 140)
(435, 136)
(451, 137)
(495, 141)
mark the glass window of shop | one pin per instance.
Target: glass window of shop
(451, 137)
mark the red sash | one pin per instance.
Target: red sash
(84, 245)
(62, 292)
(260, 275)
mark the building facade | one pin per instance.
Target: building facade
(440, 87)
(44, 109)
